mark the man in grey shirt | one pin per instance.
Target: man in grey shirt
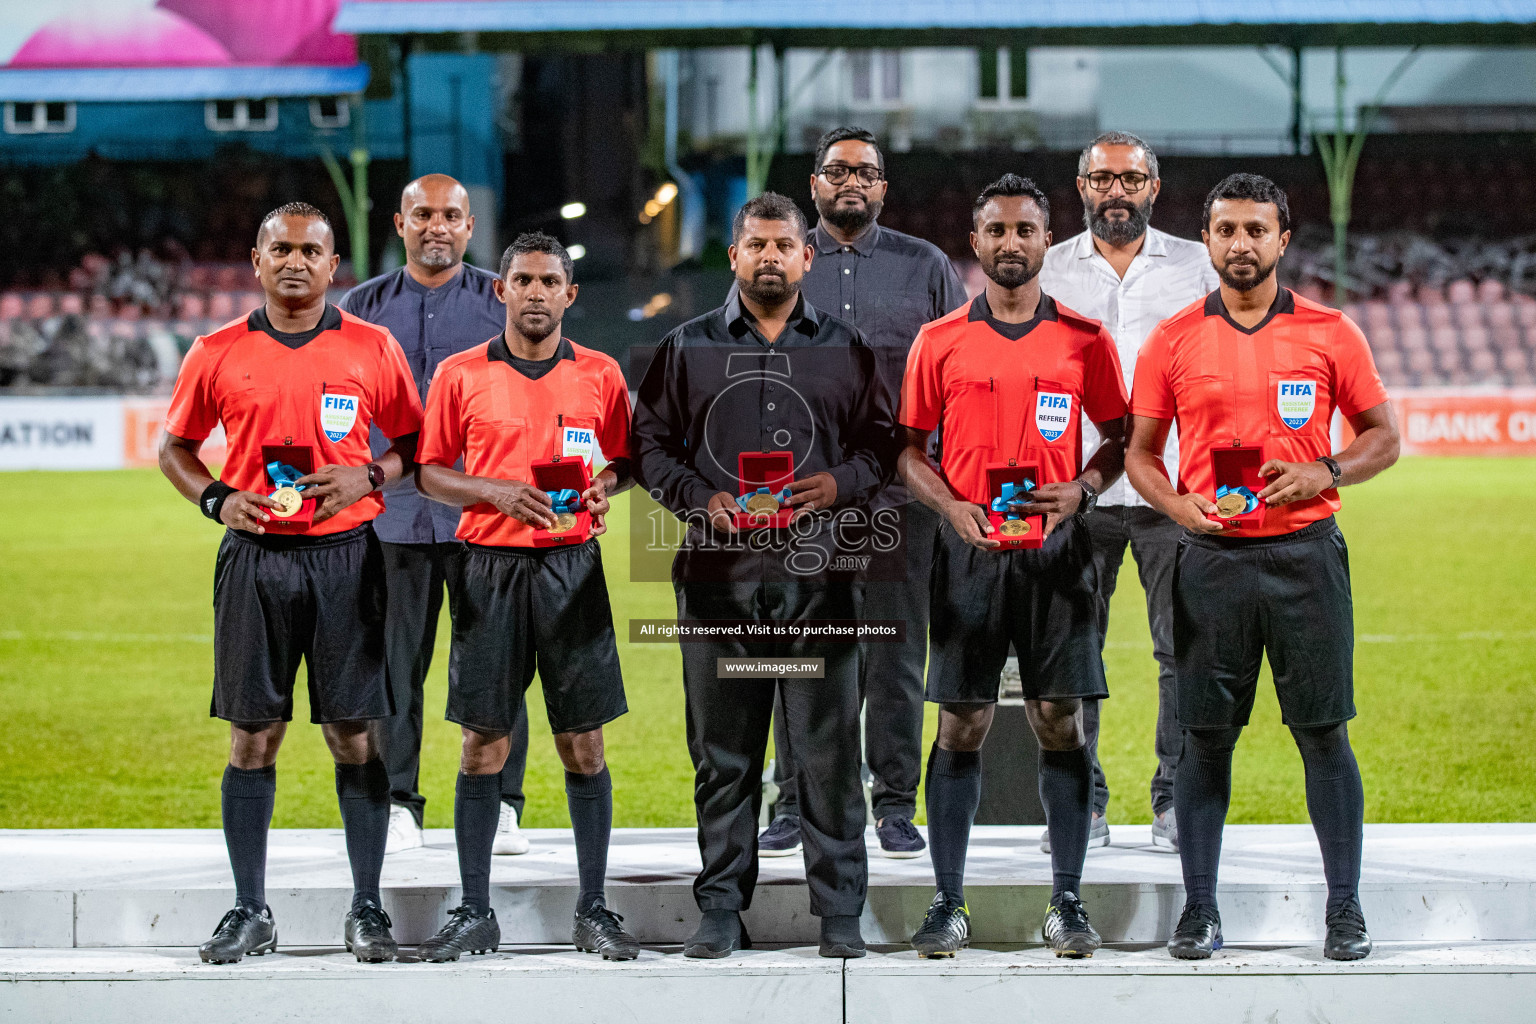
(435, 306)
(1128, 276)
(888, 285)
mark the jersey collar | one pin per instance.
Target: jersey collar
(1285, 302)
(330, 320)
(982, 311)
(499, 352)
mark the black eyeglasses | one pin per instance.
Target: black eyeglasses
(836, 174)
(1131, 181)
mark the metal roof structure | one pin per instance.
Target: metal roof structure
(133, 85)
(594, 24)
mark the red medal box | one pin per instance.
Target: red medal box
(773, 470)
(302, 458)
(1012, 472)
(1234, 466)
(558, 474)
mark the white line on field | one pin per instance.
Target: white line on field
(1389, 638)
(108, 638)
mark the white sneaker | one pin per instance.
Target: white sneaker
(509, 838)
(404, 833)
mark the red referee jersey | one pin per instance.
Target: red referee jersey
(324, 392)
(1275, 384)
(485, 410)
(1002, 396)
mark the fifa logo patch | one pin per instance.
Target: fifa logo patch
(577, 442)
(1295, 400)
(1053, 413)
(337, 414)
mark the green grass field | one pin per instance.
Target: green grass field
(105, 668)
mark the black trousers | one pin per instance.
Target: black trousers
(1154, 541)
(414, 578)
(890, 677)
(728, 722)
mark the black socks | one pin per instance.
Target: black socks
(953, 794)
(1336, 804)
(248, 795)
(590, 801)
(1066, 793)
(476, 813)
(363, 791)
(1202, 790)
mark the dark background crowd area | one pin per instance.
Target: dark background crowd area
(115, 267)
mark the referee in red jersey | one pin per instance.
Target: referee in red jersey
(525, 397)
(298, 371)
(1253, 367)
(1010, 376)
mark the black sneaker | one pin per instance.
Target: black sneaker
(1067, 929)
(781, 838)
(946, 928)
(899, 838)
(597, 930)
(467, 931)
(1198, 934)
(1347, 938)
(720, 934)
(366, 931)
(241, 932)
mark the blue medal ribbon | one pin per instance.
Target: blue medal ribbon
(563, 500)
(284, 475)
(1012, 498)
(1251, 498)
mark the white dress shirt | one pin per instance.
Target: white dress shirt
(1165, 276)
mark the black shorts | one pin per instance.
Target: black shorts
(277, 599)
(1041, 599)
(1236, 598)
(517, 609)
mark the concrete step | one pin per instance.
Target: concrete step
(114, 888)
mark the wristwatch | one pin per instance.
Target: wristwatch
(1333, 467)
(376, 475)
(1090, 498)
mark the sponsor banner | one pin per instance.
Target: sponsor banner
(61, 433)
(115, 432)
(1464, 422)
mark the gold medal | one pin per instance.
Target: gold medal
(762, 505)
(1231, 504)
(564, 523)
(1015, 527)
(288, 502)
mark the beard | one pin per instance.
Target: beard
(1246, 284)
(768, 291)
(850, 220)
(1115, 231)
(536, 330)
(435, 258)
(1011, 273)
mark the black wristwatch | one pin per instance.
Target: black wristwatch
(376, 475)
(1090, 498)
(1333, 467)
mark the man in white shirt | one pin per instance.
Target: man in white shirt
(1129, 276)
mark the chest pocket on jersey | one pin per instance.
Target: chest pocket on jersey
(339, 408)
(576, 437)
(970, 415)
(1052, 414)
(1204, 404)
(1298, 402)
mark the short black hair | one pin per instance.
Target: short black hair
(1117, 139)
(769, 206)
(296, 210)
(538, 241)
(847, 133)
(1248, 186)
(1012, 185)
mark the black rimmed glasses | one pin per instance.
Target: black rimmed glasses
(836, 174)
(1131, 181)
